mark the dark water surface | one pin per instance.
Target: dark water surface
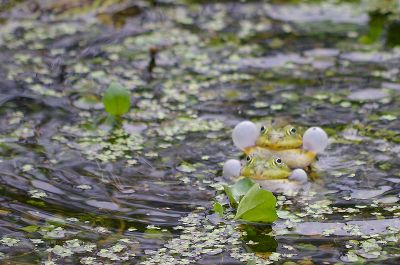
(73, 191)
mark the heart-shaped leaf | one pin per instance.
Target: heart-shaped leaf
(258, 205)
(238, 190)
(116, 99)
(218, 209)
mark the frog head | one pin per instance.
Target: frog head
(257, 167)
(287, 137)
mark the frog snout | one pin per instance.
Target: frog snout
(276, 137)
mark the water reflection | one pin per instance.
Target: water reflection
(73, 191)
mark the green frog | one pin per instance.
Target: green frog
(258, 168)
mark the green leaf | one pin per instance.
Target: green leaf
(30, 228)
(258, 205)
(218, 209)
(116, 99)
(36, 203)
(238, 190)
(154, 233)
(110, 120)
(228, 192)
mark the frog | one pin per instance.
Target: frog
(296, 149)
(271, 174)
(257, 167)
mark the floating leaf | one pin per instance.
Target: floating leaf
(116, 99)
(218, 209)
(258, 205)
(157, 234)
(9, 242)
(238, 190)
(30, 228)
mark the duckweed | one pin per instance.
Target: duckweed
(194, 70)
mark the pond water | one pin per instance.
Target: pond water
(73, 191)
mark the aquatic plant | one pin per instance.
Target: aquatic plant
(116, 100)
(258, 205)
(253, 203)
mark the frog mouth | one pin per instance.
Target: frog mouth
(279, 143)
(272, 174)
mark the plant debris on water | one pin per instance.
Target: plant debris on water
(145, 186)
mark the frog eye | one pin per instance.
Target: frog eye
(278, 161)
(249, 159)
(264, 129)
(291, 131)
